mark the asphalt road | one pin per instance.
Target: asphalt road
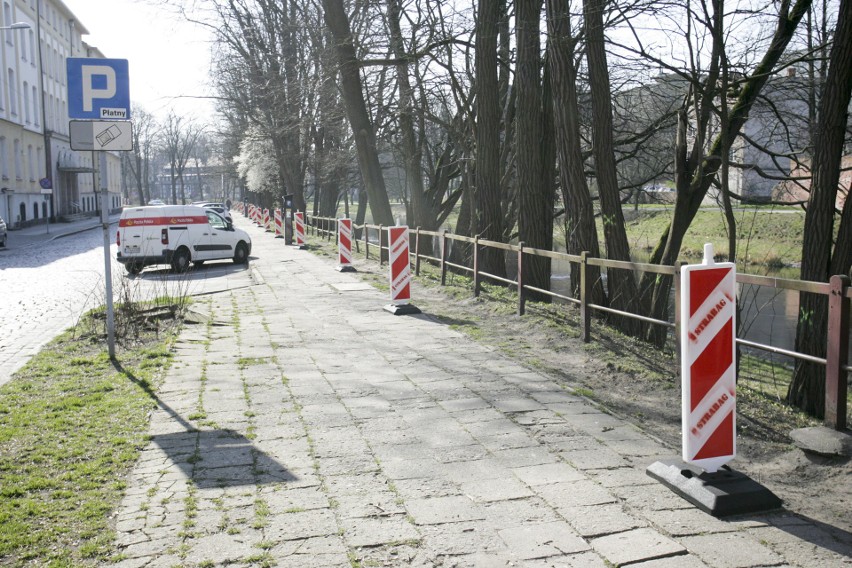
(45, 287)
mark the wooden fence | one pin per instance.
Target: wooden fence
(838, 290)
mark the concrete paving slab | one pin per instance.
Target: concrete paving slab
(440, 510)
(636, 545)
(360, 532)
(542, 540)
(731, 550)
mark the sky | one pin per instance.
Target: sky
(168, 57)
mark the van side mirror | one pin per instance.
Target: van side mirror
(229, 226)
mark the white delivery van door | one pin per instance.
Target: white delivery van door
(221, 239)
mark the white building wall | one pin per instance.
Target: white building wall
(34, 115)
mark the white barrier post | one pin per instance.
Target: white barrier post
(279, 225)
(299, 223)
(344, 245)
(708, 397)
(399, 264)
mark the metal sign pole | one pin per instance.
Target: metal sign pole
(107, 262)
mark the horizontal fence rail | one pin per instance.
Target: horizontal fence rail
(839, 294)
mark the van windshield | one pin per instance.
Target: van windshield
(215, 221)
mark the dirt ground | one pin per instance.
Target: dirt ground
(638, 383)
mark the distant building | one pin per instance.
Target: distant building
(797, 189)
(40, 176)
(761, 156)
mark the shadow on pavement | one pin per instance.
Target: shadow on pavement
(817, 533)
(213, 458)
(221, 458)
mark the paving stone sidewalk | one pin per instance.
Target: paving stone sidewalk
(304, 426)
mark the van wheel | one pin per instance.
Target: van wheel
(133, 267)
(180, 260)
(241, 254)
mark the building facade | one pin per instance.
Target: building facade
(40, 176)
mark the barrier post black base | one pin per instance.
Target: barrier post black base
(402, 309)
(723, 493)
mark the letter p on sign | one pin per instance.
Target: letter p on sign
(98, 89)
(97, 75)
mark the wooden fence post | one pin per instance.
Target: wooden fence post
(417, 252)
(521, 302)
(837, 353)
(677, 321)
(381, 245)
(444, 248)
(585, 313)
(476, 266)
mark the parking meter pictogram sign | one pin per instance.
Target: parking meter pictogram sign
(98, 88)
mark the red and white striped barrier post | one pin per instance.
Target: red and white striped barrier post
(708, 397)
(256, 216)
(399, 264)
(299, 222)
(708, 362)
(344, 245)
(267, 224)
(279, 225)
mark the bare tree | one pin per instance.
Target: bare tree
(137, 162)
(621, 283)
(580, 231)
(535, 188)
(819, 261)
(356, 110)
(179, 137)
(488, 211)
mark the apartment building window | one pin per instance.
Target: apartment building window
(35, 106)
(7, 20)
(32, 49)
(17, 149)
(23, 51)
(4, 159)
(39, 161)
(26, 102)
(31, 162)
(13, 93)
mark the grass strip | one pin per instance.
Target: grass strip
(72, 424)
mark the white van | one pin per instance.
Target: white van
(177, 235)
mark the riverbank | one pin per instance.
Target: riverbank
(769, 239)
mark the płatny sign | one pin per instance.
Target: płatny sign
(708, 371)
(98, 88)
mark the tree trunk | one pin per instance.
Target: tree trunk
(807, 388)
(356, 111)
(581, 234)
(621, 283)
(695, 170)
(488, 211)
(535, 210)
(412, 157)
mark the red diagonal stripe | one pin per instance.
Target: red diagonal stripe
(721, 442)
(702, 283)
(712, 362)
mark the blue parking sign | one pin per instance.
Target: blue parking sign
(98, 88)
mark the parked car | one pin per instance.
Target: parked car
(2, 232)
(218, 208)
(156, 202)
(177, 235)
